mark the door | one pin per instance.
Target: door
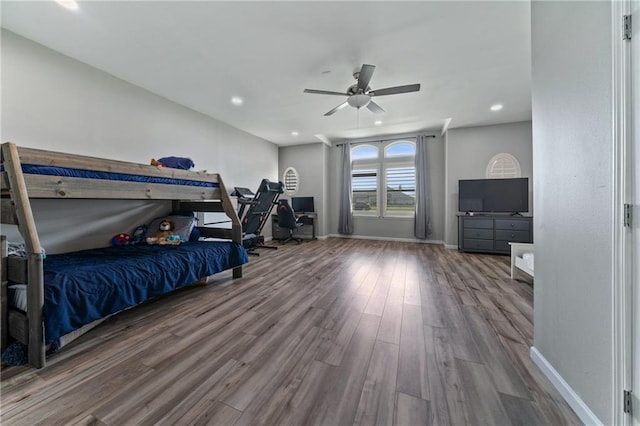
(635, 191)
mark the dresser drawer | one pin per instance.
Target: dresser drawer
(473, 244)
(502, 247)
(515, 224)
(477, 223)
(513, 236)
(481, 234)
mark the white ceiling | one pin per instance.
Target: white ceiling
(466, 55)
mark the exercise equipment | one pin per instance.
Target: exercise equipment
(254, 210)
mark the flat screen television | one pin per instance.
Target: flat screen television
(493, 195)
(302, 204)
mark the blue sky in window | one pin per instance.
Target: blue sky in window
(362, 152)
(400, 149)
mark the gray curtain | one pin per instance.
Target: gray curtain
(345, 221)
(422, 224)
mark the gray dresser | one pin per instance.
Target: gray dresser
(493, 233)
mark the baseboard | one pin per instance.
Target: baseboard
(573, 399)
(451, 246)
(401, 240)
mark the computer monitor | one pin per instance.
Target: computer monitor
(302, 204)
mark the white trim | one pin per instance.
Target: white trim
(451, 246)
(401, 240)
(621, 261)
(445, 126)
(573, 399)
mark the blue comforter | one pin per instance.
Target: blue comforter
(84, 286)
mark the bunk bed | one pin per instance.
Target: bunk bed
(97, 283)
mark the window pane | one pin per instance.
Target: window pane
(364, 151)
(400, 149)
(364, 184)
(401, 190)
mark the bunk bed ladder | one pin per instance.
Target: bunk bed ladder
(27, 227)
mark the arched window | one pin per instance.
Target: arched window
(502, 166)
(400, 149)
(364, 152)
(291, 181)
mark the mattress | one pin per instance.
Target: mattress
(92, 174)
(84, 286)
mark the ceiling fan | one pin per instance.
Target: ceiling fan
(360, 94)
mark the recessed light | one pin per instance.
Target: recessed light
(69, 4)
(496, 107)
(236, 100)
(294, 133)
(377, 122)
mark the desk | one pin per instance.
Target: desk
(307, 231)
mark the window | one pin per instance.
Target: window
(384, 185)
(401, 190)
(364, 185)
(290, 180)
(364, 152)
(503, 165)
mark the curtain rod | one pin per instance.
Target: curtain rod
(385, 140)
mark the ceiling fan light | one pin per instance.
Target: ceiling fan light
(359, 101)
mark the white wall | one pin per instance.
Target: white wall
(572, 158)
(468, 151)
(53, 102)
(310, 162)
(401, 228)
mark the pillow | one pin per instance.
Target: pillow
(182, 226)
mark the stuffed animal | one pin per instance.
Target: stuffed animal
(121, 239)
(156, 163)
(139, 235)
(165, 234)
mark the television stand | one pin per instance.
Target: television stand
(493, 233)
(515, 214)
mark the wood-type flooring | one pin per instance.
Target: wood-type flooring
(333, 332)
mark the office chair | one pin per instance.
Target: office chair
(287, 220)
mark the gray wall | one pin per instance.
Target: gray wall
(401, 228)
(468, 151)
(51, 101)
(310, 162)
(572, 156)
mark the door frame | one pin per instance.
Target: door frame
(622, 252)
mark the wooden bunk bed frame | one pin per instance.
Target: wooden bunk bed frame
(18, 188)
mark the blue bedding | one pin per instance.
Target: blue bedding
(84, 286)
(79, 173)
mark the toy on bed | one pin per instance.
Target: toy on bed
(165, 234)
(121, 239)
(139, 235)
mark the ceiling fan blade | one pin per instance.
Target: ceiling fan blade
(395, 90)
(339, 107)
(375, 108)
(366, 72)
(323, 92)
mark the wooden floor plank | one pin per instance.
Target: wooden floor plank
(485, 405)
(344, 385)
(412, 364)
(411, 410)
(377, 401)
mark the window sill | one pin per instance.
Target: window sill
(364, 216)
